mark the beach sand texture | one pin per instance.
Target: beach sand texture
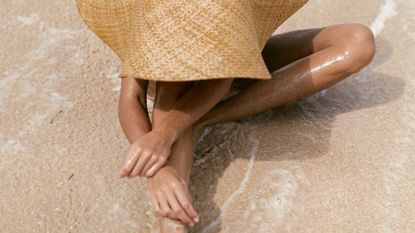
(338, 161)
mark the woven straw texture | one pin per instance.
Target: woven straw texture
(178, 40)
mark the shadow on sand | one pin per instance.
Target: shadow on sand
(303, 127)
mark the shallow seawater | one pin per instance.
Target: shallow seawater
(340, 160)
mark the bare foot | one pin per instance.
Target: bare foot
(181, 160)
(168, 225)
(168, 191)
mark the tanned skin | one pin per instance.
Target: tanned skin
(301, 62)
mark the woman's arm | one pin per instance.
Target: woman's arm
(135, 123)
(132, 108)
(198, 100)
(154, 147)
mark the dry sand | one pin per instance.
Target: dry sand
(339, 161)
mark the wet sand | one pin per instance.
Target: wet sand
(338, 161)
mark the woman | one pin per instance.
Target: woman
(312, 60)
(301, 62)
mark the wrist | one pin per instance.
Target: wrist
(166, 133)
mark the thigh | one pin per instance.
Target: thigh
(172, 87)
(285, 48)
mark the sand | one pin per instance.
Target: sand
(338, 161)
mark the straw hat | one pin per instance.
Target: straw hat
(178, 40)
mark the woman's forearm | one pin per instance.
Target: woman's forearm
(133, 117)
(198, 100)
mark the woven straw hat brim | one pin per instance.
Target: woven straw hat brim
(177, 40)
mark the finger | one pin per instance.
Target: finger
(129, 154)
(160, 162)
(177, 210)
(133, 157)
(186, 203)
(154, 168)
(140, 164)
(155, 203)
(149, 164)
(164, 206)
(186, 191)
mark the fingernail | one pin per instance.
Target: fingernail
(191, 224)
(196, 219)
(128, 162)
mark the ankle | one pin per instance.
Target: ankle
(203, 125)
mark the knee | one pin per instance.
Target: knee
(172, 90)
(359, 46)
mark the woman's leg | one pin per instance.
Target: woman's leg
(167, 94)
(181, 159)
(301, 62)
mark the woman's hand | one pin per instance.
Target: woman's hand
(170, 196)
(147, 155)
